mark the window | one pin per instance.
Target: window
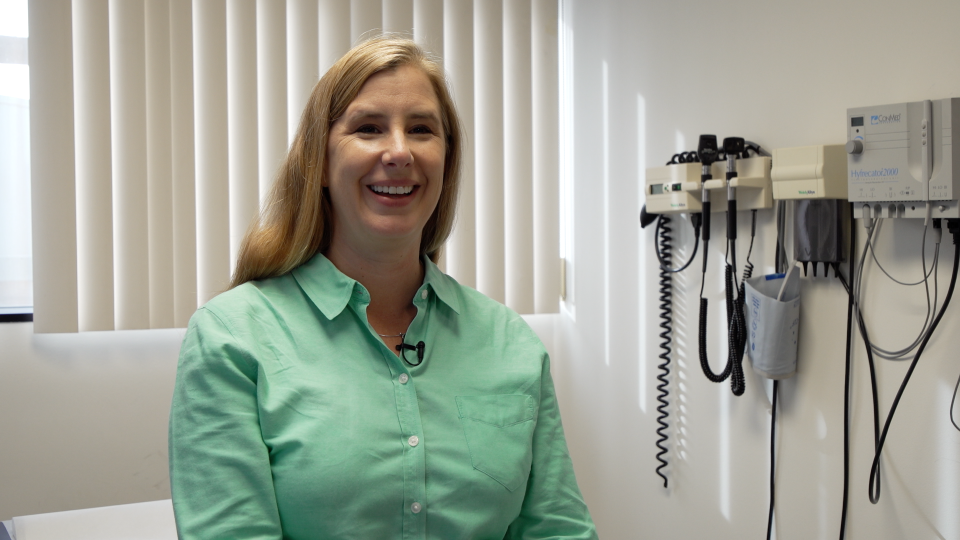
(16, 269)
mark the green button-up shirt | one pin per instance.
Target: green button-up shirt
(292, 419)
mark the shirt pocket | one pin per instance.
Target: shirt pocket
(499, 433)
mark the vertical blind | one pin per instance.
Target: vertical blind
(157, 127)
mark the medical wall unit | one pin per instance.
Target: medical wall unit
(903, 157)
(676, 188)
(810, 172)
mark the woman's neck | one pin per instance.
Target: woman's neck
(391, 277)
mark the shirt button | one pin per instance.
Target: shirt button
(413, 440)
(423, 294)
(415, 508)
(404, 378)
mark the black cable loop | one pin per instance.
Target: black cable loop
(666, 324)
(875, 467)
(736, 327)
(665, 262)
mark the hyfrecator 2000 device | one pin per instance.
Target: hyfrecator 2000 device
(902, 158)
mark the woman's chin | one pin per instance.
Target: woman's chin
(395, 228)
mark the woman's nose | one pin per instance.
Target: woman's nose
(397, 152)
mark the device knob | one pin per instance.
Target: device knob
(855, 146)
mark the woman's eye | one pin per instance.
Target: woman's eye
(421, 129)
(367, 128)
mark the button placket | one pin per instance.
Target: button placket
(413, 456)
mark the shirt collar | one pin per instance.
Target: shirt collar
(443, 285)
(330, 289)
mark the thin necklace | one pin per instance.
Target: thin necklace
(393, 335)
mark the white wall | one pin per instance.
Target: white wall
(781, 74)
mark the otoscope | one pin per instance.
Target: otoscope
(708, 152)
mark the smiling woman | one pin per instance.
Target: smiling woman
(345, 387)
(296, 220)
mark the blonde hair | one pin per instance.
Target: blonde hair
(295, 223)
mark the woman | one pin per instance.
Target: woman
(345, 387)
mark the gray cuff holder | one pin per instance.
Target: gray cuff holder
(772, 324)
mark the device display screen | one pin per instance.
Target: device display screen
(656, 189)
(856, 121)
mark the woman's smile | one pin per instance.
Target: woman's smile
(393, 191)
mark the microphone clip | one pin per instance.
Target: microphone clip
(402, 348)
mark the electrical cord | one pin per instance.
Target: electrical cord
(736, 326)
(931, 308)
(684, 157)
(952, 401)
(781, 254)
(748, 270)
(856, 276)
(666, 324)
(954, 226)
(773, 456)
(750, 145)
(847, 375)
(873, 230)
(923, 254)
(696, 220)
(748, 266)
(693, 157)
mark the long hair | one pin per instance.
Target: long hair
(295, 221)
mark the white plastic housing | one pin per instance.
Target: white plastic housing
(810, 172)
(673, 189)
(677, 188)
(903, 157)
(752, 184)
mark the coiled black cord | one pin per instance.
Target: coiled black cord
(748, 266)
(736, 321)
(666, 324)
(684, 157)
(736, 335)
(696, 221)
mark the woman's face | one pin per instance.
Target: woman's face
(385, 162)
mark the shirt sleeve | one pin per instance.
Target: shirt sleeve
(552, 506)
(220, 475)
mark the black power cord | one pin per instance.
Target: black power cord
(662, 220)
(663, 246)
(953, 225)
(952, 402)
(779, 266)
(846, 376)
(773, 456)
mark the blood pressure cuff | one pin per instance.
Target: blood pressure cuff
(773, 325)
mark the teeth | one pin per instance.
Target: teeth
(392, 190)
